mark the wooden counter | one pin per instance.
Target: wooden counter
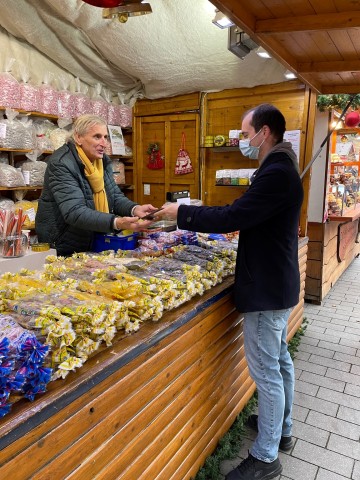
(153, 406)
(332, 248)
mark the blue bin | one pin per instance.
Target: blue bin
(104, 241)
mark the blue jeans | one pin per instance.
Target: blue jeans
(272, 369)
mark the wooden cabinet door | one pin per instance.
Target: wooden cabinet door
(166, 130)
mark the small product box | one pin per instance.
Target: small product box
(115, 242)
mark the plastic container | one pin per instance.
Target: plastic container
(114, 242)
(40, 247)
(13, 246)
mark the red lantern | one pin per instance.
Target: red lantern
(104, 3)
(352, 119)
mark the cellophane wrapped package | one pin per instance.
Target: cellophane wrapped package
(60, 135)
(11, 177)
(82, 101)
(29, 209)
(48, 96)
(65, 97)
(43, 129)
(6, 203)
(19, 131)
(99, 105)
(9, 86)
(29, 93)
(36, 169)
(22, 364)
(125, 112)
(113, 117)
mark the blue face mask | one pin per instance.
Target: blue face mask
(249, 150)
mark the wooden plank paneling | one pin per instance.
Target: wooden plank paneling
(181, 103)
(224, 111)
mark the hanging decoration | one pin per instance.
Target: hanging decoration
(155, 158)
(337, 102)
(183, 163)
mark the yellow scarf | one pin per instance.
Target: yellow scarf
(94, 172)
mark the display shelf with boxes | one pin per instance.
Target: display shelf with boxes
(343, 197)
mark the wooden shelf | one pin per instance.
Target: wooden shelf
(15, 150)
(345, 164)
(347, 216)
(222, 149)
(26, 187)
(241, 186)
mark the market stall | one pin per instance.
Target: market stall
(155, 402)
(334, 208)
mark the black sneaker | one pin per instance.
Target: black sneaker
(253, 469)
(286, 443)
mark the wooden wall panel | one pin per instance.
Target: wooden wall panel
(324, 268)
(166, 130)
(181, 103)
(224, 111)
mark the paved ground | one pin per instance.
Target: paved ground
(327, 398)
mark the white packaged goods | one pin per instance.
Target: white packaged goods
(11, 177)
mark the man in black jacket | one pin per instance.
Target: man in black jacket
(267, 280)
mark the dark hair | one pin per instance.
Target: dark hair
(267, 114)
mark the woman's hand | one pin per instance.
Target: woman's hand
(142, 210)
(131, 223)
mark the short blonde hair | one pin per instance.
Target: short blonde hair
(83, 123)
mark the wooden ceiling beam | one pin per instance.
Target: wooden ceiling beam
(335, 66)
(339, 89)
(309, 23)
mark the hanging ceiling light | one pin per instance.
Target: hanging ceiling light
(221, 20)
(121, 9)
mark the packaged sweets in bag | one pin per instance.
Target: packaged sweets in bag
(65, 97)
(9, 86)
(125, 112)
(48, 96)
(29, 93)
(18, 130)
(82, 101)
(59, 136)
(99, 105)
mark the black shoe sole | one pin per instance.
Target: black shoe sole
(286, 443)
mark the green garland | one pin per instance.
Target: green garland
(337, 102)
(229, 446)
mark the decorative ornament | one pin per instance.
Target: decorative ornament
(104, 3)
(352, 119)
(183, 163)
(155, 158)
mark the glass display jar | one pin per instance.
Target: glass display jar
(13, 246)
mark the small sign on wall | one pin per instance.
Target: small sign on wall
(347, 235)
(117, 140)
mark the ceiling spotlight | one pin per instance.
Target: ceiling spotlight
(221, 21)
(262, 53)
(289, 75)
(127, 8)
(239, 42)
